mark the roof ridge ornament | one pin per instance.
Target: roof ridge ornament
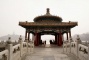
(48, 11)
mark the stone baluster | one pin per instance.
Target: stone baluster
(30, 46)
(27, 45)
(70, 44)
(21, 45)
(77, 47)
(33, 39)
(63, 46)
(88, 50)
(9, 47)
(66, 45)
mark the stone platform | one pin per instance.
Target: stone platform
(49, 53)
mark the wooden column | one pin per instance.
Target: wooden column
(25, 34)
(55, 38)
(60, 39)
(28, 37)
(70, 33)
(35, 42)
(36, 39)
(67, 35)
(39, 39)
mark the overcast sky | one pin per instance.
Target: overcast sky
(13, 11)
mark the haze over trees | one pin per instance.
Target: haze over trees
(14, 37)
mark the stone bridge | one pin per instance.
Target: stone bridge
(71, 50)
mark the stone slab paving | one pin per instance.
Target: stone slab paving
(48, 54)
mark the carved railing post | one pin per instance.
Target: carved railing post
(70, 44)
(10, 56)
(88, 50)
(77, 47)
(33, 39)
(66, 45)
(27, 45)
(63, 46)
(21, 46)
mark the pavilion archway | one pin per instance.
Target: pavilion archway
(48, 38)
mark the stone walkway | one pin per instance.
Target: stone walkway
(55, 53)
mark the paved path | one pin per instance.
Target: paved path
(48, 54)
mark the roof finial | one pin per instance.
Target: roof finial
(48, 11)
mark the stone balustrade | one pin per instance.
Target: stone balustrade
(4, 55)
(83, 52)
(16, 52)
(77, 49)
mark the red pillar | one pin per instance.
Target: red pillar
(36, 39)
(60, 39)
(25, 34)
(70, 33)
(67, 35)
(35, 42)
(28, 37)
(57, 39)
(39, 38)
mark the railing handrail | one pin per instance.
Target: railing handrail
(79, 49)
(16, 46)
(4, 52)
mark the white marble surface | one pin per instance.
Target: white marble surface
(55, 53)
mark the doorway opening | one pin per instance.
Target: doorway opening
(48, 38)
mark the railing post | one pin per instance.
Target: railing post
(63, 46)
(77, 47)
(33, 39)
(9, 49)
(70, 44)
(27, 45)
(32, 48)
(21, 46)
(66, 46)
(88, 50)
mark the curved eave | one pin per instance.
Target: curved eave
(63, 24)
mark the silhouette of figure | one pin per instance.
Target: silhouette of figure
(45, 42)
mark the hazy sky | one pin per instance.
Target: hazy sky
(13, 11)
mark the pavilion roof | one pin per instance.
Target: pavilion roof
(62, 24)
(48, 16)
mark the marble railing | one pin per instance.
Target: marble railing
(79, 50)
(83, 52)
(17, 52)
(4, 55)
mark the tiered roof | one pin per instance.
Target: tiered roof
(48, 20)
(48, 17)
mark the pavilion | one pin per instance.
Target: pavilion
(48, 24)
